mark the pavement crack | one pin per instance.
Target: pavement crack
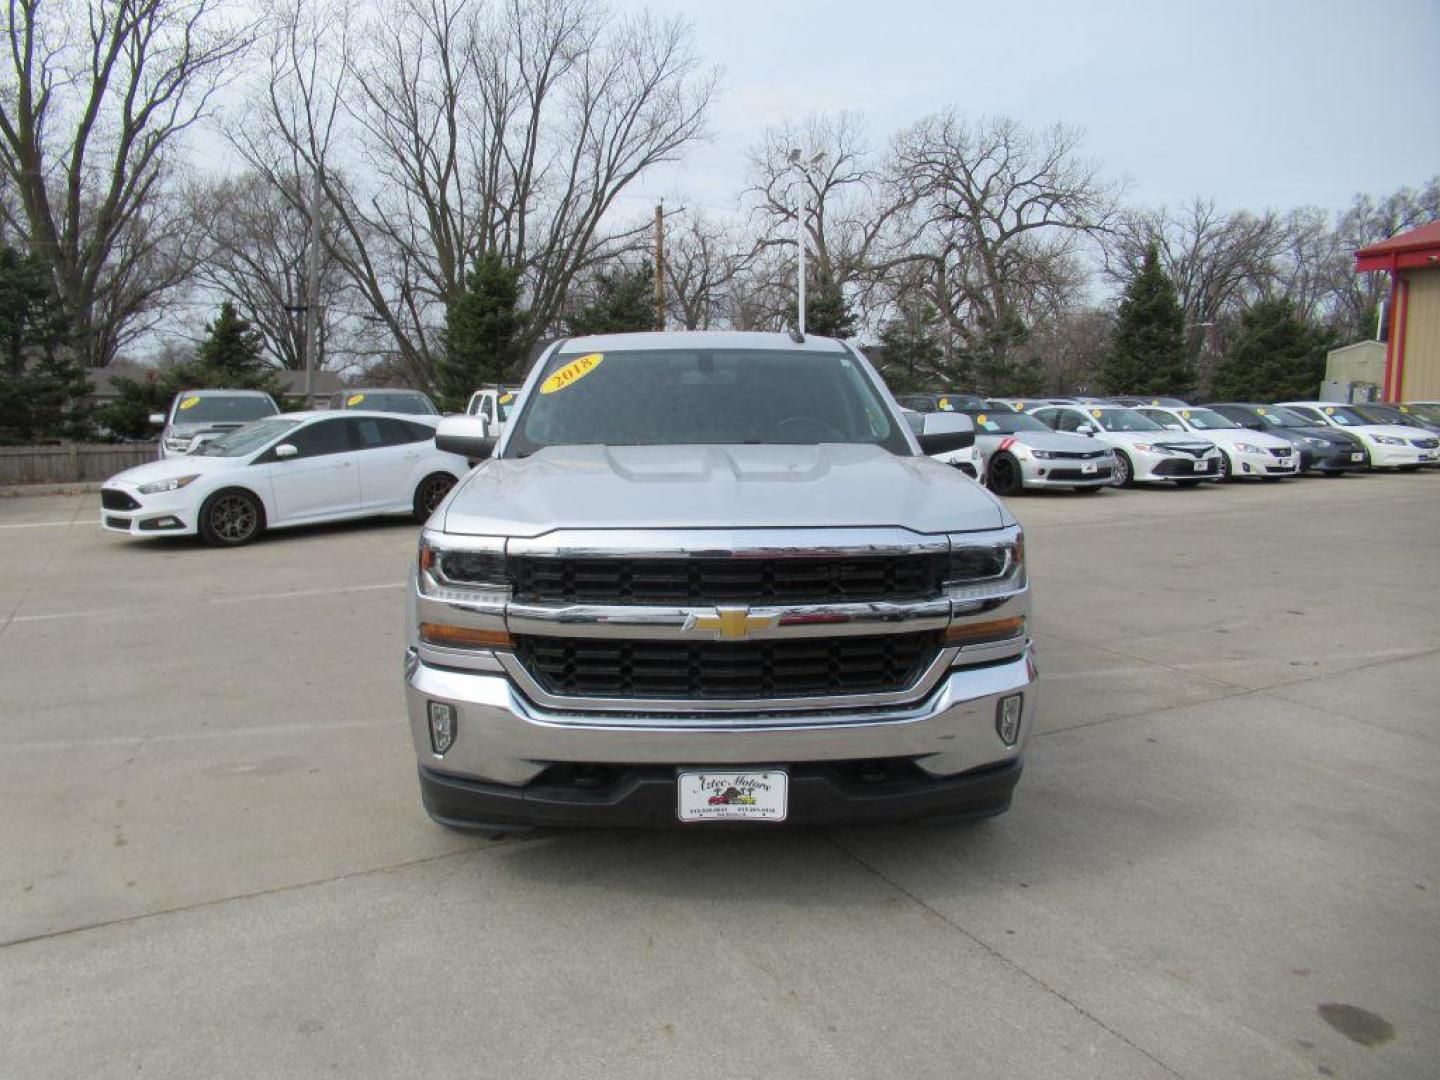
(997, 954)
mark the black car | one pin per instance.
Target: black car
(1322, 449)
(940, 401)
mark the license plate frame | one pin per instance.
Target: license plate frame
(1357, 457)
(721, 794)
(1202, 466)
(1089, 467)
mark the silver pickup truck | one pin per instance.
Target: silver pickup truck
(714, 577)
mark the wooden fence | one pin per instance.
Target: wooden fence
(70, 463)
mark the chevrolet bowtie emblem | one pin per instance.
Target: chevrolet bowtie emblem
(730, 624)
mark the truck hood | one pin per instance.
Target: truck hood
(652, 487)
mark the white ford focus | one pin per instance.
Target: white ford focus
(294, 469)
(1242, 452)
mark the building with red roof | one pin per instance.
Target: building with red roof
(1412, 352)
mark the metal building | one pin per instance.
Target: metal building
(1412, 352)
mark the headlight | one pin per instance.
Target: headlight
(175, 483)
(471, 572)
(1041, 455)
(978, 569)
(1151, 448)
(176, 443)
(1248, 448)
(1388, 440)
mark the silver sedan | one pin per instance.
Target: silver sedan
(1021, 452)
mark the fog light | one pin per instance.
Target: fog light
(442, 726)
(1007, 718)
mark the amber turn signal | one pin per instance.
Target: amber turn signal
(464, 637)
(982, 632)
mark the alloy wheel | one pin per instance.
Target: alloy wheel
(233, 518)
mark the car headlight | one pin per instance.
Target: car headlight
(1388, 440)
(1040, 455)
(175, 483)
(474, 572)
(1248, 448)
(1152, 448)
(979, 570)
(175, 442)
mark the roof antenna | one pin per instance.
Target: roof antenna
(797, 335)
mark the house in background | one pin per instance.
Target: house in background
(1412, 353)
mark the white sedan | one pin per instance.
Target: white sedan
(294, 469)
(1242, 452)
(1144, 451)
(1388, 446)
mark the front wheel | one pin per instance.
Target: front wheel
(230, 518)
(429, 494)
(1124, 470)
(1227, 468)
(1004, 476)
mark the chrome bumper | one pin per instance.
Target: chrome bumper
(502, 737)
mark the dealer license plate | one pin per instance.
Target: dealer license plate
(1202, 466)
(751, 795)
(1357, 457)
(1088, 466)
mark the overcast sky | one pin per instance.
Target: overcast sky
(1266, 103)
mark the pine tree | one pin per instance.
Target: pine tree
(481, 330)
(827, 312)
(44, 392)
(1275, 356)
(232, 347)
(910, 353)
(623, 302)
(1147, 355)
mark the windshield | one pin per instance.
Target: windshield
(1122, 420)
(504, 403)
(1385, 414)
(1004, 423)
(1424, 412)
(689, 396)
(243, 440)
(396, 401)
(1343, 415)
(1275, 416)
(221, 409)
(1206, 419)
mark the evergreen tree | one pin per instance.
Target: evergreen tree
(827, 312)
(623, 301)
(995, 361)
(481, 330)
(910, 354)
(232, 347)
(43, 387)
(1147, 355)
(1276, 356)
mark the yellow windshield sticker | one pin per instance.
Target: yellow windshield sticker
(1095, 413)
(190, 403)
(505, 399)
(1329, 410)
(571, 373)
(1185, 413)
(1404, 408)
(353, 400)
(980, 419)
(944, 404)
(1019, 406)
(1260, 411)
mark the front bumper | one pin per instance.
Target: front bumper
(1337, 459)
(1265, 464)
(1169, 467)
(1067, 472)
(501, 767)
(1393, 457)
(170, 513)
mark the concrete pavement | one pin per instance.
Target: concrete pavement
(213, 861)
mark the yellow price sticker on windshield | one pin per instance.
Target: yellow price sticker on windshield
(189, 403)
(1404, 408)
(1095, 413)
(1019, 406)
(980, 419)
(943, 404)
(1260, 411)
(1329, 410)
(353, 400)
(1185, 413)
(505, 399)
(572, 373)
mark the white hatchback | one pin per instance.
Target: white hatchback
(293, 469)
(1389, 446)
(1242, 452)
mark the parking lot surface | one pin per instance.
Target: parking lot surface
(1223, 859)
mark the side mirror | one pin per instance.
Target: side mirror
(285, 450)
(157, 418)
(1085, 429)
(468, 436)
(943, 432)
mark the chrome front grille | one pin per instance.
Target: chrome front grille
(737, 579)
(730, 671)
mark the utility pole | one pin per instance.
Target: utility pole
(659, 266)
(312, 291)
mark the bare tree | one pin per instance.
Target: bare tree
(95, 101)
(509, 128)
(1356, 298)
(704, 259)
(998, 213)
(257, 255)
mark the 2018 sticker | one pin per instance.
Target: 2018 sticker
(189, 403)
(505, 399)
(353, 400)
(571, 373)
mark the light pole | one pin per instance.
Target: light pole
(803, 168)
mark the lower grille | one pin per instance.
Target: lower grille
(117, 523)
(1183, 448)
(117, 500)
(1181, 467)
(1078, 455)
(1077, 474)
(792, 667)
